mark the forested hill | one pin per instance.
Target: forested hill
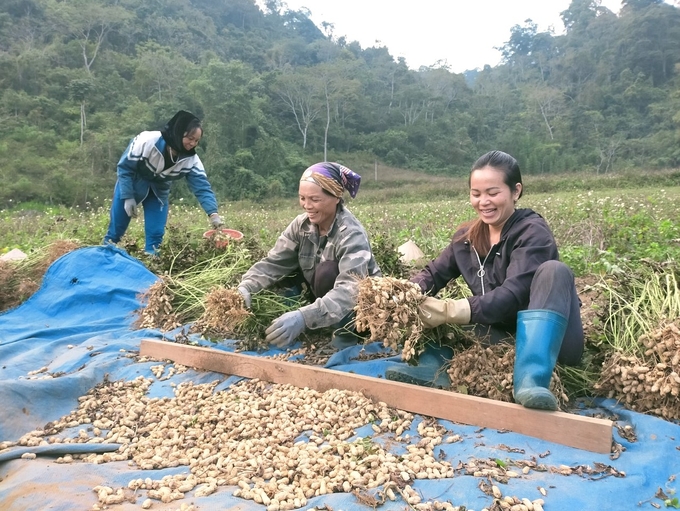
(81, 77)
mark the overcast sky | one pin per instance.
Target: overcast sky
(461, 32)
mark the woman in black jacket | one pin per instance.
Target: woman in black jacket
(509, 259)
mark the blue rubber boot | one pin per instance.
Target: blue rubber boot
(429, 372)
(537, 344)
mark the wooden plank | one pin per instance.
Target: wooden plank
(562, 428)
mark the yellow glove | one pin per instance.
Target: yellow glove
(434, 312)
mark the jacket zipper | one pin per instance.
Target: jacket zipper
(481, 272)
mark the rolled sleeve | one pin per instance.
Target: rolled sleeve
(281, 260)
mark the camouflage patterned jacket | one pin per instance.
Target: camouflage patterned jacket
(300, 247)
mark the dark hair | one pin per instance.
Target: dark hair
(341, 202)
(503, 162)
(478, 232)
(194, 124)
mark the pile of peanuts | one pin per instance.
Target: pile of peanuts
(158, 311)
(651, 383)
(487, 371)
(484, 371)
(278, 444)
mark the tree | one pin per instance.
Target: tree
(88, 22)
(161, 69)
(639, 5)
(385, 77)
(548, 101)
(650, 40)
(284, 54)
(78, 91)
(444, 89)
(337, 85)
(529, 51)
(229, 95)
(300, 93)
(580, 14)
(300, 24)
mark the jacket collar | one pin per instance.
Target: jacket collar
(517, 216)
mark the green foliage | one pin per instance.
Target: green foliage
(387, 255)
(674, 502)
(640, 297)
(247, 185)
(276, 94)
(601, 232)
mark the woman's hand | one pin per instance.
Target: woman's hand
(434, 312)
(215, 220)
(285, 329)
(247, 300)
(131, 208)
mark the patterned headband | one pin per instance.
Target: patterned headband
(334, 178)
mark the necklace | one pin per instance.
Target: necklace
(173, 160)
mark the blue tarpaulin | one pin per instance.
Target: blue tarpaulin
(76, 331)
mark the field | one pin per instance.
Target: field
(240, 444)
(619, 233)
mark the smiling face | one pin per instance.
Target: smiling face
(492, 199)
(192, 138)
(319, 206)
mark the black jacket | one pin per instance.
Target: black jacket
(502, 290)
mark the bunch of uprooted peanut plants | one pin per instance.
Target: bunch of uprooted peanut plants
(204, 296)
(21, 278)
(388, 308)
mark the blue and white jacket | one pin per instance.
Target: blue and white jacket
(140, 169)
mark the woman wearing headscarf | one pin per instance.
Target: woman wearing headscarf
(326, 247)
(146, 170)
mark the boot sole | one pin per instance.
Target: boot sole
(394, 375)
(538, 401)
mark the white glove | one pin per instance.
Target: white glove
(434, 312)
(131, 208)
(285, 329)
(215, 220)
(246, 296)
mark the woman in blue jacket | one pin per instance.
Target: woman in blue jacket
(149, 165)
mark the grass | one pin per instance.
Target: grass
(595, 227)
(639, 300)
(599, 231)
